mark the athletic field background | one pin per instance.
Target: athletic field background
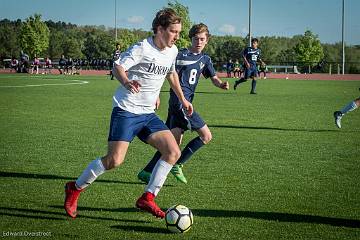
(277, 167)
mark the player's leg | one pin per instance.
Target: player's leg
(254, 81)
(195, 144)
(243, 79)
(196, 123)
(253, 85)
(351, 106)
(145, 174)
(123, 129)
(166, 144)
(115, 156)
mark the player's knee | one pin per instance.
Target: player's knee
(172, 155)
(176, 153)
(112, 161)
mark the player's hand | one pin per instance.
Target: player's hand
(225, 85)
(133, 86)
(188, 108)
(157, 103)
(247, 65)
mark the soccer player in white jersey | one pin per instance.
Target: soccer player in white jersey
(148, 63)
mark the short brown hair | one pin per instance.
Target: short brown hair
(164, 18)
(198, 28)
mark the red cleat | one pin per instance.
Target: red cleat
(72, 195)
(146, 202)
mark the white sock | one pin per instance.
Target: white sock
(95, 169)
(350, 107)
(158, 176)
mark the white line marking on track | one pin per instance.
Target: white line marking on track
(73, 82)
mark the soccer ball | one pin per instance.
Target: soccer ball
(179, 219)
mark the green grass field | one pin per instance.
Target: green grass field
(277, 167)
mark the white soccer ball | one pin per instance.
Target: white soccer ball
(179, 219)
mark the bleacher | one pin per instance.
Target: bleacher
(283, 69)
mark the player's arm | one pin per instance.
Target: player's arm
(131, 57)
(173, 79)
(209, 72)
(262, 62)
(220, 84)
(247, 64)
(157, 103)
(120, 74)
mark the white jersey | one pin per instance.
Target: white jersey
(149, 66)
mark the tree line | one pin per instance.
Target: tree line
(53, 39)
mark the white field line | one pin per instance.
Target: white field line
(73, 82)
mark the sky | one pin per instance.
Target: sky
(223, 17)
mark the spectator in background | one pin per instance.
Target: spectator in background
(229, 68)
(116, 56)
(69, 66)
(62, 64)
(48, 66)
(14, 64)
(77, 66)
(35, 65)
(24, 62)
(237, 70)
(263, 69)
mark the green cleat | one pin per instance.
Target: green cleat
(144, 176)
(177, 172)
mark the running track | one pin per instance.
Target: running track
(315, 76)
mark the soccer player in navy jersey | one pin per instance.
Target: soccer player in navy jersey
(250, 56)
(190, 64)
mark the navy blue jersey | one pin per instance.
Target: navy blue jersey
(189, 66)
(229, 66)
(252, 55)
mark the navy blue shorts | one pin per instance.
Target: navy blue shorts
(177, 118)
(251, 72)
(124, 125)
